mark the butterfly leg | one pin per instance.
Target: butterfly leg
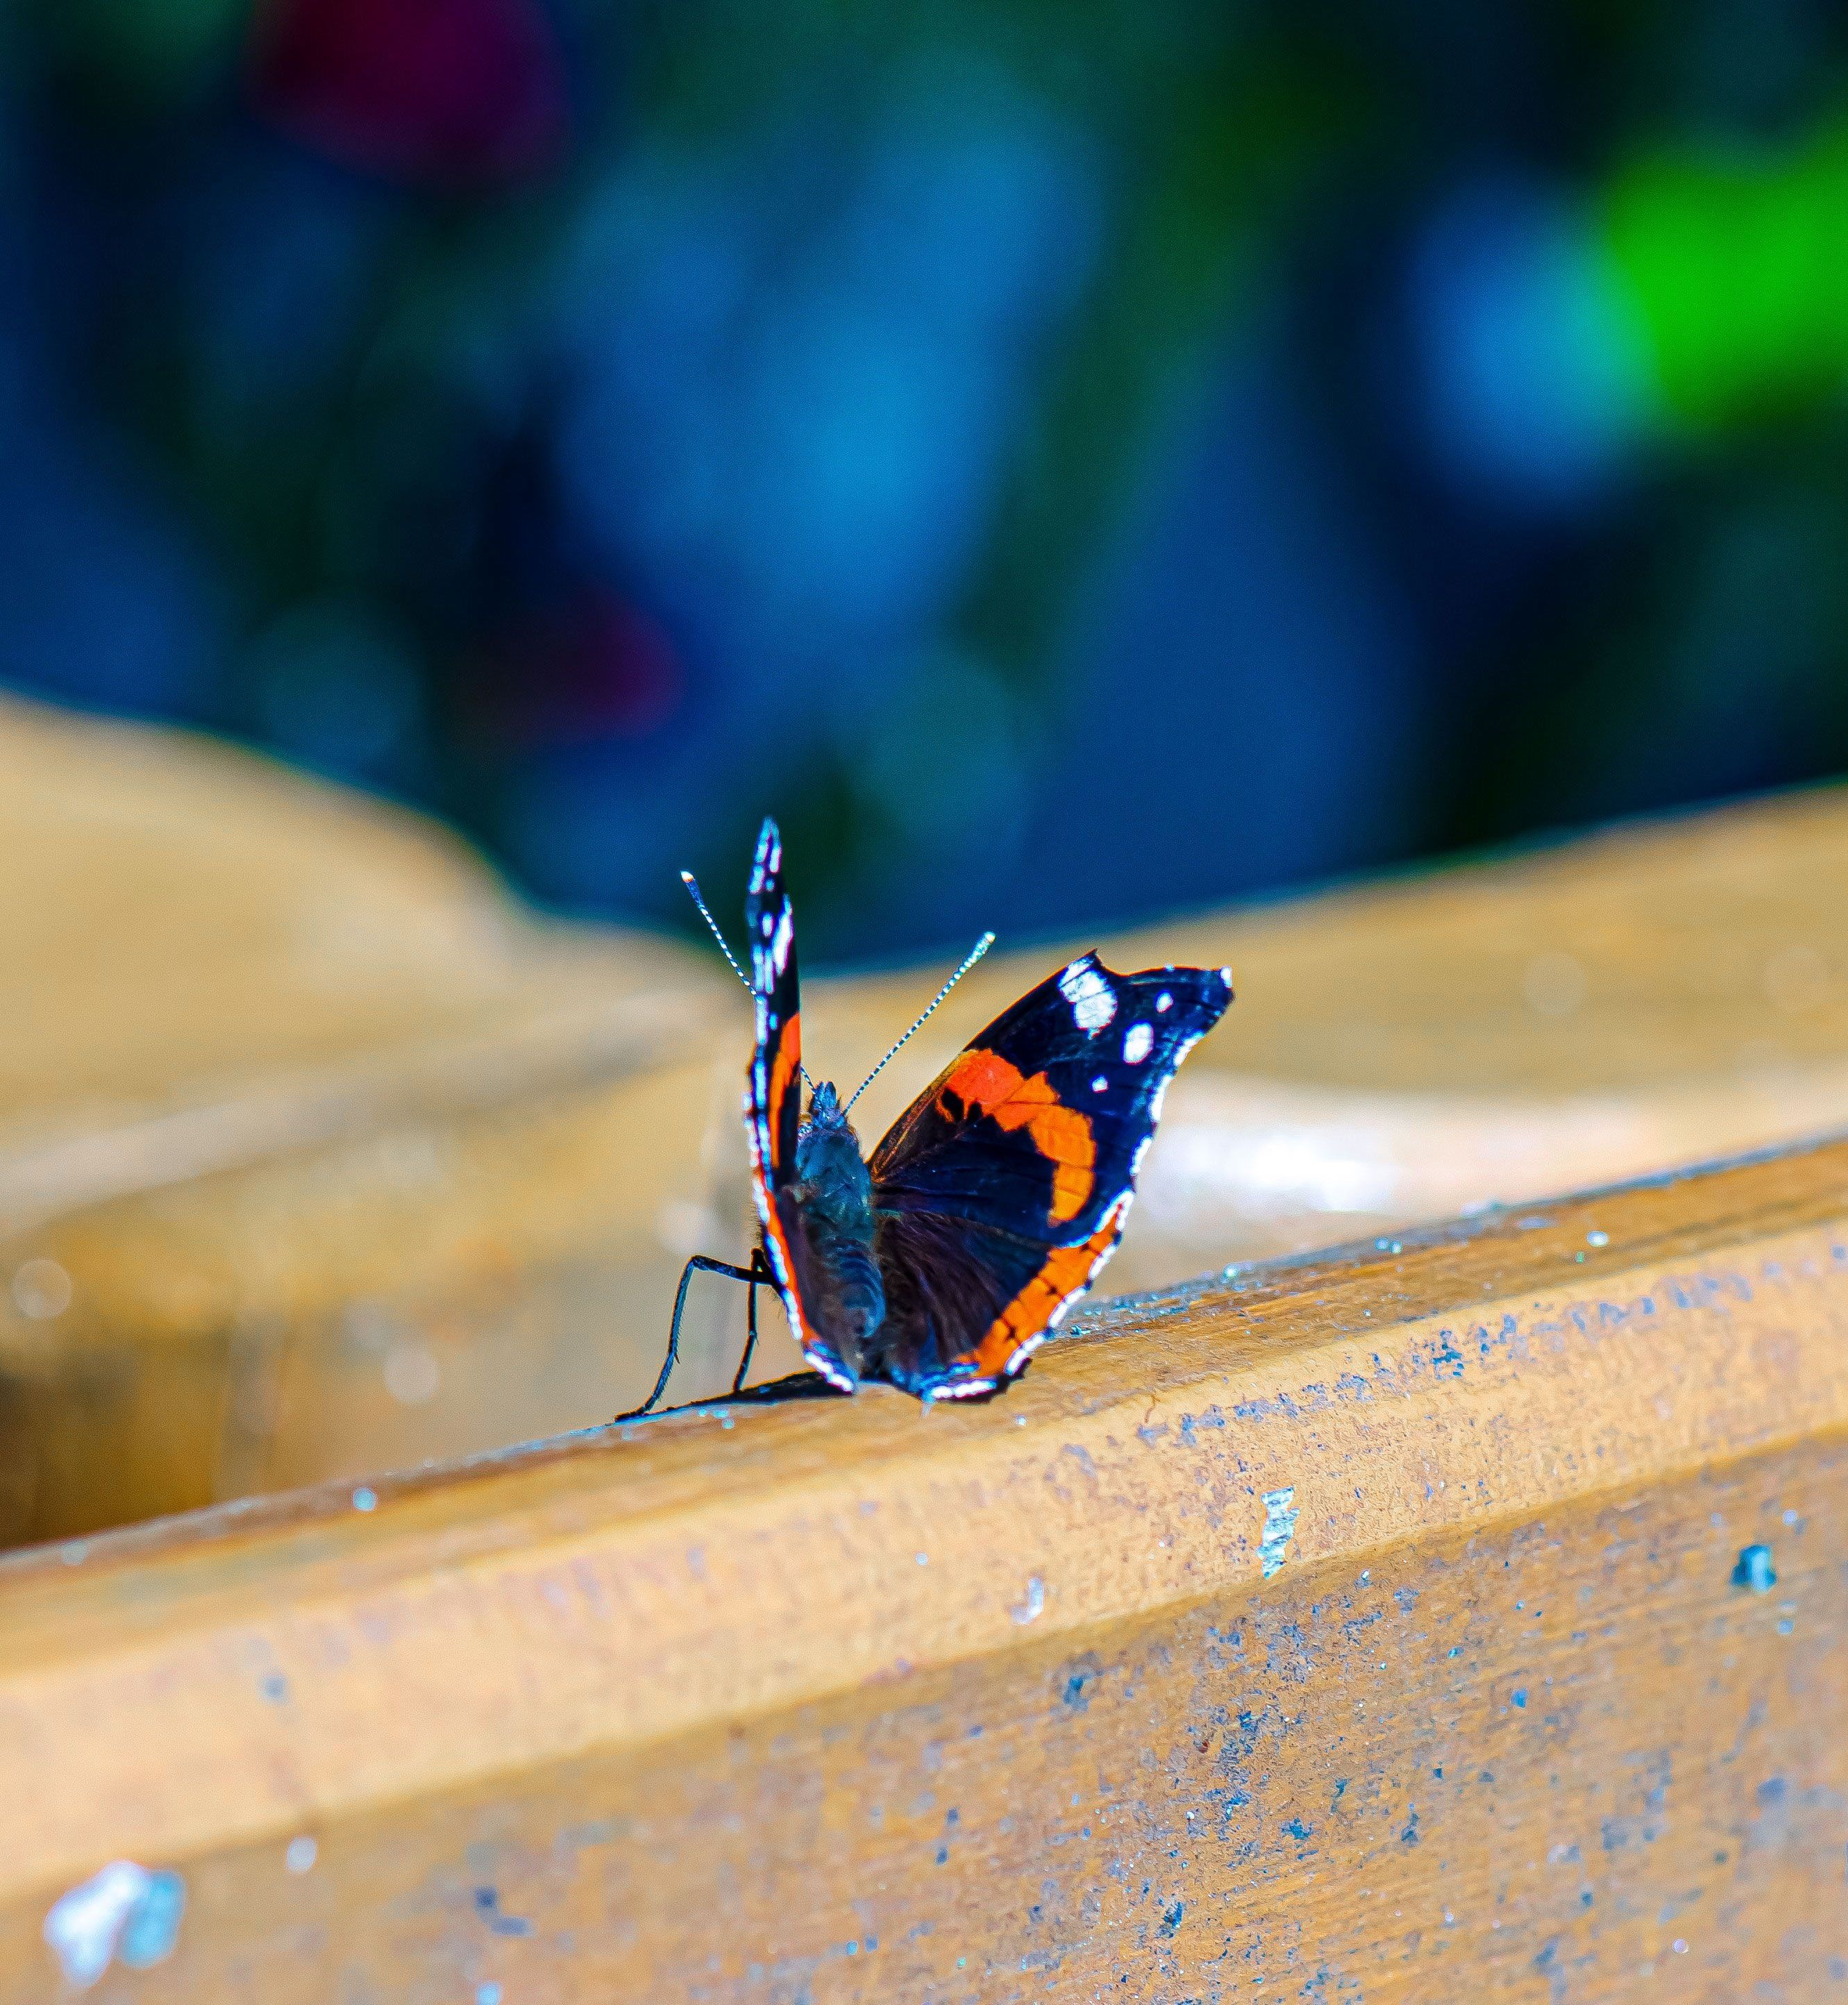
(760, 1271)
(700, 1263)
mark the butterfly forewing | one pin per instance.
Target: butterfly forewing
(773, 1103)
(1004, 1188)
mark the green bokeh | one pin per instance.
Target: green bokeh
(1737, 264)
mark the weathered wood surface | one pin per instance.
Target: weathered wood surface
(856, 1701)
(318, 1157)
(316, 1152)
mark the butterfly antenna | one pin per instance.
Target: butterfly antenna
(975, 954)
(692, 884)
(692, 892)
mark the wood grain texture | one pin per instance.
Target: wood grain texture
(856, 1701)
(346, 1163)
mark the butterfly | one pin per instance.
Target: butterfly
(942, 1262)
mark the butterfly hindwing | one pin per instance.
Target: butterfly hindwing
(773, 1101)
(1002, 1190)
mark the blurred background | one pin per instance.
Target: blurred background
(1069, 460)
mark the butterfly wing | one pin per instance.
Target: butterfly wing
(1003, 1188)
(773, 1102)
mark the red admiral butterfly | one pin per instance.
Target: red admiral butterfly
(939, 1264)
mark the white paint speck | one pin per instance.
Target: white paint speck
(125, 1910)
(1029, 1610)
(1164, 1001)
(83, 1925)
(301, 1855)
(1100, 1084)
(1598, 1239)
(1681, 1946)
(1138, 1041)
(1790, 1517)
(1084, 988)
(923, 1559)
(1280, 1526)
(364, 1499)
(488, 1994)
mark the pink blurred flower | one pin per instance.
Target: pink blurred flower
(442, 93)
(595, 670)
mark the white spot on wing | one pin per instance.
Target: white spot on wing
(1084, 988)
(1099, 1084)
(1138, 1041)
(1164, 1001)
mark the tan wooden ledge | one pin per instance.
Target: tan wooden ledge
(1374, 1625)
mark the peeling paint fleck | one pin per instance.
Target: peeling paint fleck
(487, 1904)
(124, 1910)
(154, 1924)
(1280, 1525)
(1029, 1610)
(1754, 1570)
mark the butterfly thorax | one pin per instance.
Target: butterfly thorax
(834, 1191)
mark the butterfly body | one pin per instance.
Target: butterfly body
(832, 1193)
(941, 1261)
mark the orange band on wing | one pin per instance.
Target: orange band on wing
(1067, 1271)
(986, 1082)
(784, 1069)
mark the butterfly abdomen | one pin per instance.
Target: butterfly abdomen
(833, 1193)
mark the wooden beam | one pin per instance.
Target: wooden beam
(1456, 1617)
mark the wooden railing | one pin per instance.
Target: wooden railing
(1411, 1624)
(1455, 1614)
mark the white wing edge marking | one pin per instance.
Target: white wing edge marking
(1174, 1065)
